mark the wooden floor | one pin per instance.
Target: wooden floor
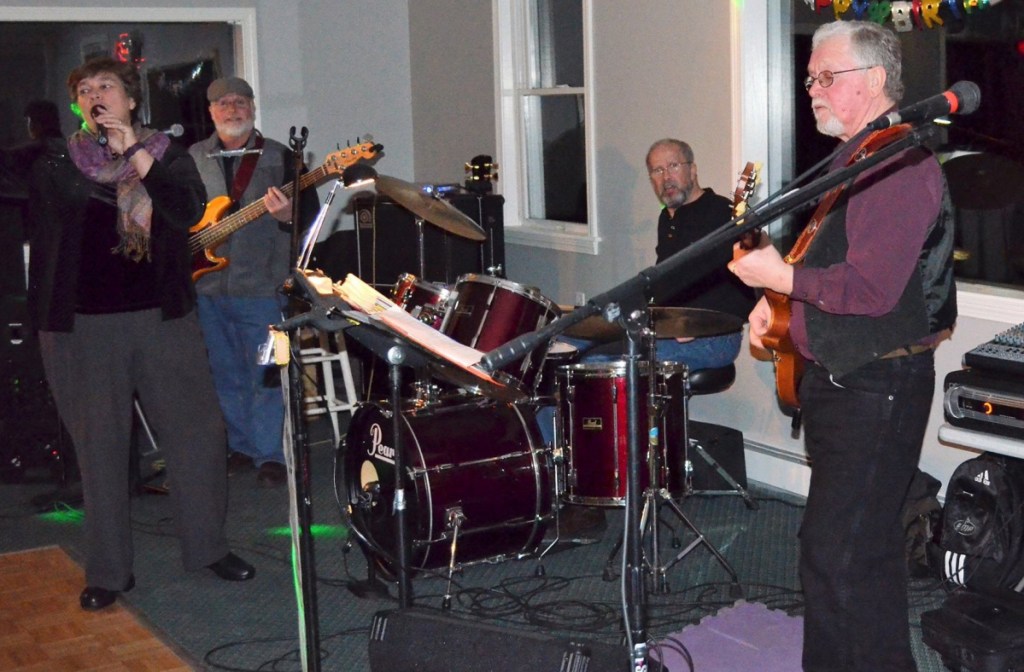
(42, 628)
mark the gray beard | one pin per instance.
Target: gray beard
(832, 128)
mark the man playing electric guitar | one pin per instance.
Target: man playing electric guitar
(238, 302)
(872, 297)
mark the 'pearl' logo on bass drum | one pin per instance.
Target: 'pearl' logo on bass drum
(377, 448)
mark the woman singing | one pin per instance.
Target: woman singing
(111, 296)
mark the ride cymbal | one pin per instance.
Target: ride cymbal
(667, 322)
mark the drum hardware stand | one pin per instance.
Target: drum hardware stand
(664, 498)
(455, 520)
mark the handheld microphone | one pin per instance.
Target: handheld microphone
(962, 98)
(175, 131)
(101, 130)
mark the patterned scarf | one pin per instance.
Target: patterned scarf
(135, 209)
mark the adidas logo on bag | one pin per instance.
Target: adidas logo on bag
(982, 478)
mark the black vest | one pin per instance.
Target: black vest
(842, 343)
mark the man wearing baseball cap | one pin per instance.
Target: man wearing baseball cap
(237, 302)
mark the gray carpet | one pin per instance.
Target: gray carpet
(254, 625)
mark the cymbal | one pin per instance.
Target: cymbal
(432, 209)
(668, 323)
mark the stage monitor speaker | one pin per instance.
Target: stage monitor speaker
(422, 640)
(31, 434)
(389, 241)
(725, 445)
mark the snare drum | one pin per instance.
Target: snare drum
(486, 312)
(481, 462)
(592, 430)
(423, 300)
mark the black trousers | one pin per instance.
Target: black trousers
(863, 436)
(93, 373)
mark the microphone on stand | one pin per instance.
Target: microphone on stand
(962, 98)
(101, 130)
(175, 131)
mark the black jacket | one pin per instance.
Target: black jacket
(58, 197)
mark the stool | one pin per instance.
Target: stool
(709, 381)
(329, 349)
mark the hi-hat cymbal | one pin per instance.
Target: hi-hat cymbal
(667, 322)
(432, 209)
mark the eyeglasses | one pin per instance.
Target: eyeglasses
(826, 77)
(673, 168)
(225, 103)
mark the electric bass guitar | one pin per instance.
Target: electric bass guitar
(789, 365)
(213, 229)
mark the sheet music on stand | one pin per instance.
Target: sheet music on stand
(453, 359)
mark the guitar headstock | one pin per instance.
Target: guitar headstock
(337, 162)
(746, 185)
(480, 173)
(745, 188)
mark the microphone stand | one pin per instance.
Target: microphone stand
(630, 297)
(632, 575)
(300, 446)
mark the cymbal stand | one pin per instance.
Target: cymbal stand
(421, 248)
(660, 496)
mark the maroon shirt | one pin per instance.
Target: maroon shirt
(886, 226)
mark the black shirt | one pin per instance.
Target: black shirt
(715, 287)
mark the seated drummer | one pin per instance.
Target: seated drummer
(690, 213)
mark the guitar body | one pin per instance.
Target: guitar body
(204, 260)
(789, 365)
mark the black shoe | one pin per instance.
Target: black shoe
(239, 462)
(233, 568)
(271, 475)
(94, 599)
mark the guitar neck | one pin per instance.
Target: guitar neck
(257, 208)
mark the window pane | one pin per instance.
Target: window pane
(558, 34)
(557, 177)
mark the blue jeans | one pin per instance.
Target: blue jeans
(250, 394)
(700, 353)
(863, 436)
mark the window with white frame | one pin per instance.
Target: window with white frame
(543, 113)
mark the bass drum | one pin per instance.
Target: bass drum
(479, 463)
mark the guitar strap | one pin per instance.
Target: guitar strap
(868, 146)
(245, 170)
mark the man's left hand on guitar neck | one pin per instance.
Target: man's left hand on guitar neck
(278, 205)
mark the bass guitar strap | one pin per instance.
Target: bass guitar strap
(245, 170)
